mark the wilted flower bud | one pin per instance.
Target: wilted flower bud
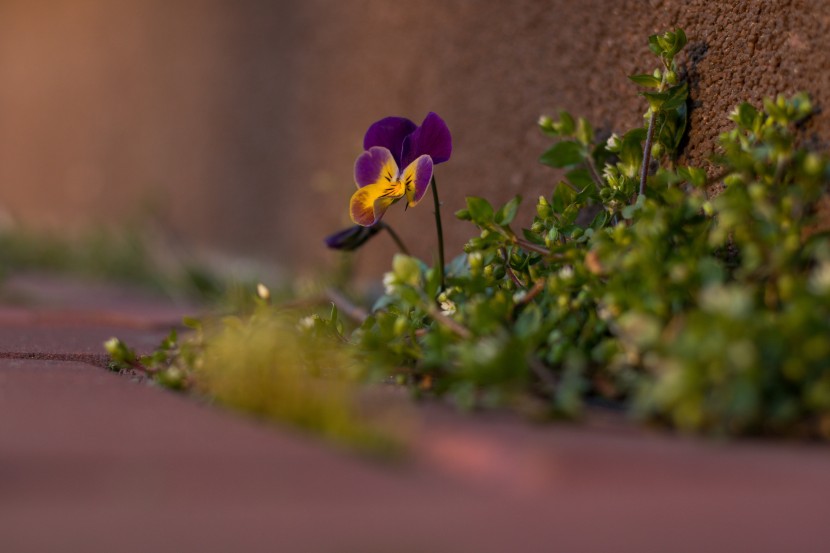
(349, 239)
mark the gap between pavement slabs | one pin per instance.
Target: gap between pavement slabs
(92, 461)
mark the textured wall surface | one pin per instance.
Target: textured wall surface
(239, 122)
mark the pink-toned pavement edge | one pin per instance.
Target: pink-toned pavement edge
(90, 461)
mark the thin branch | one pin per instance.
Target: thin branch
(594, 173)
(531, 247)
(509, 269)
(395, 237)
(534, 291)
(450, 324)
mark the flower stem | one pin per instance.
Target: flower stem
(647, 152)
(531, 247)
(592, 167)
(440, 231)
(395, 237)
(509, 270)
(449, 323)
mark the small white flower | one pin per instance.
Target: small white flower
(819, 282)
(263, 292)
(306, 323)
(566, 272)
(448, 307)
(389, 282)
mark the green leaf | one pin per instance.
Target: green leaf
(745, 115)
(192, 322)
(654, 45)
(600, 220)
(631, 150)
(580, 178)
(463, 214)
(645, 80)
(531, 236)
(584, 131)
(458, 267)
(169, 341)
(433, 283)
(481, 212)
(507, 213)
(529, 322)
(680, 41)
(670, 126)
(563, 196)
(693, 175)
(668, 44)
(682, 115)
(675, 96)
(566, 124)
(587, 193)
(655, 99)
(406, 269)
(563, 154)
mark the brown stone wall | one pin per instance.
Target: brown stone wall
(239, 122)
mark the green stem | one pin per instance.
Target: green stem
(594, 173)
(440, 231)
(396, 238)
(647, 152)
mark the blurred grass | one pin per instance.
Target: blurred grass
(261, 365)
(128, 255)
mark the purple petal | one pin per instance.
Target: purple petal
(416, 178)
(389, 133)
(373, 165)
(432, 138)
(351, 238)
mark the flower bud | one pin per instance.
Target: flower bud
(656, 150)
(263, 292)
(400, 325)
(476, 261)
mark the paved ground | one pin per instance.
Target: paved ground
(94, 462)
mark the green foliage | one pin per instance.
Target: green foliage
(268, 365)
(121, 256)
(126, 255)
(706, 313)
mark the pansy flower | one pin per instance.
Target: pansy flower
(397, 163)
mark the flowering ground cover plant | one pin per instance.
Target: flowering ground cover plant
(632, 287)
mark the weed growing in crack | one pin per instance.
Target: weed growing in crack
(631, 287)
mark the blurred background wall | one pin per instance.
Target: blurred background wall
(236, 123)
